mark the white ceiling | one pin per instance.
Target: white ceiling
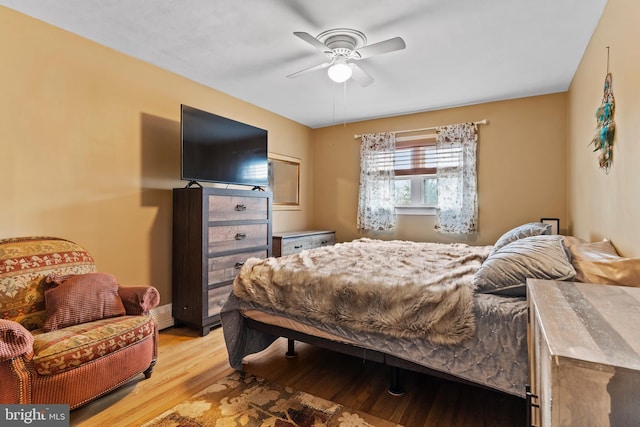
(459, 52)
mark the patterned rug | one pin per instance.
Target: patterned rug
(244, 400)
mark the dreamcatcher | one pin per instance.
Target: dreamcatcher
(603, 140)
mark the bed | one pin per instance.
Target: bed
(452, 310)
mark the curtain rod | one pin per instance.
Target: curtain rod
(480, 122)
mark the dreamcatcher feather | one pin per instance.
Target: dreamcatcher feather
(603, 140)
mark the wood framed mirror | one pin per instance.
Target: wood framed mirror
(284, 181)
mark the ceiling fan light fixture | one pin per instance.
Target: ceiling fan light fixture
(344, 46)
(340, 72)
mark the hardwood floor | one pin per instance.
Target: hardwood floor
(188, 363)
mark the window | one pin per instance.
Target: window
(432, 174)
(416, 191)
(416, 161)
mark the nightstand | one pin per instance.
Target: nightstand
(584, 354)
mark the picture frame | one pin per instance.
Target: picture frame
(554, 222)
(284, 181)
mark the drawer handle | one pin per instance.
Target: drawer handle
(241, 208)
(239, 264)
(297, 247)
(240, 236)
(324, 242)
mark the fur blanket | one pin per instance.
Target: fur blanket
(398, 288)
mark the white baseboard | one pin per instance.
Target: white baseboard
(162, 316)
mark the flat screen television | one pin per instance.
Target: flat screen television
(221, 150)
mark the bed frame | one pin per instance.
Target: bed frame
(395, 363)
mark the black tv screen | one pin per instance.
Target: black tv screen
(221, 150)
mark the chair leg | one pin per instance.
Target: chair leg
(147, 373)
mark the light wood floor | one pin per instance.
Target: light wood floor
(188, 363)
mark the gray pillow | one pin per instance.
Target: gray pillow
(520, 232)
(506, 271)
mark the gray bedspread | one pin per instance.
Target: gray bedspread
(495, 356)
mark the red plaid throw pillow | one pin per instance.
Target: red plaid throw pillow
(81, 298)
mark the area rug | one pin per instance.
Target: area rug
(244, 400)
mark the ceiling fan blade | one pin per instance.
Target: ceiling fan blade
(360, 76)
(308, 70)
(312, 41)
(386, 46)
(302, 11)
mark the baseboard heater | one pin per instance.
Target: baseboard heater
(162, 316)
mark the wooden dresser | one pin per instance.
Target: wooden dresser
(296, 241)
(215, 231)
(584, 354)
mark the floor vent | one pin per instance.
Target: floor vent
(162, 316)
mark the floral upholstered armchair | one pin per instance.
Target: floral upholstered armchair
(67, 333)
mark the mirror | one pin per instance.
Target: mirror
(284, 181)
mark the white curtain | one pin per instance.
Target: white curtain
(457, 210)
(376, 202)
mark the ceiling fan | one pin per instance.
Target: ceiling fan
(342, 46)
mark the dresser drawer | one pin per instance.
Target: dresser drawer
(232, 208)
(292, 243)
(216, 298)
(231, 237)
(325, 239)
(223, 268)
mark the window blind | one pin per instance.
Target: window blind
(418, 155)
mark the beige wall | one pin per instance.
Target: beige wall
(90, 147)
(521, 168)
(607, 205)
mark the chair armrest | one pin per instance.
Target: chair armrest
(15, 340)
(138, 299)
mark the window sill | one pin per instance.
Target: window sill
(416, 210)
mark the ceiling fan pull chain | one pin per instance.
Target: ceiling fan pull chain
(333, 86)
(344, 100)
